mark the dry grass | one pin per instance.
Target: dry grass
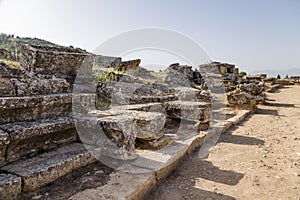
(10, 63)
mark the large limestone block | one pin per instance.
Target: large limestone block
(16, 109)
(114, 136)
(28, 138)
(115, 131)
(46, 168)
(188, 110)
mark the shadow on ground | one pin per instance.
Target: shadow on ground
(261, 111)
(287, 105)
(238, 139)
(183, 182)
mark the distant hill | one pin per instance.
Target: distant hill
(274, 73)
(12, 44)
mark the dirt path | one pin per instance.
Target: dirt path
(259, 159)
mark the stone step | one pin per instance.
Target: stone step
(47, 167)
(28, 86)
(21, 139)
(28, 108)
(137, 99)
(188, 110)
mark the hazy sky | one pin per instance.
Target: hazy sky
(253, 34)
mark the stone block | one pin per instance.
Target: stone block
(46, 168)
(28, 138)
(188, 110)
(36, 86)
(113, 135)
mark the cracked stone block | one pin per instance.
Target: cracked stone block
(188, 110)
(10, 187)
(38, 86)
(149, 124)
(16, 109)
(28, 138)
(114, 135)
(160, 142)
(47, 167)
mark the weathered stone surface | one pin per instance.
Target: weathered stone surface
(153, 107)
(155, 165)
(17, 82)
(83, 103)
(106, 61)
(35, 86)
(115, 131)
(175, 78)
(158, 143)
(149, 124)
(123, 93)
(191, 94)
(188, 110)
(10, 187)
(239, 98)
(28, 138)
(202, 126)
(7, 88)
(113, 135)
(194, 76)
(60, 62)
(252, 88)
(14, 109)
(4, 141)
(128, 65)
(45, 168)
(242, 100)
(8, 72)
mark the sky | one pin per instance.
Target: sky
(253, 34)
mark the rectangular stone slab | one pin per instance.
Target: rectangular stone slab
(10, 187)
(139, 107)
(46, 168)
(148, 124)
(188, 110)
(114, 135)
(16, 109)
(27, 138)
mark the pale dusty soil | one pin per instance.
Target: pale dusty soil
(258, 159)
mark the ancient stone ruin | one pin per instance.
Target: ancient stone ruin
(57, 115)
